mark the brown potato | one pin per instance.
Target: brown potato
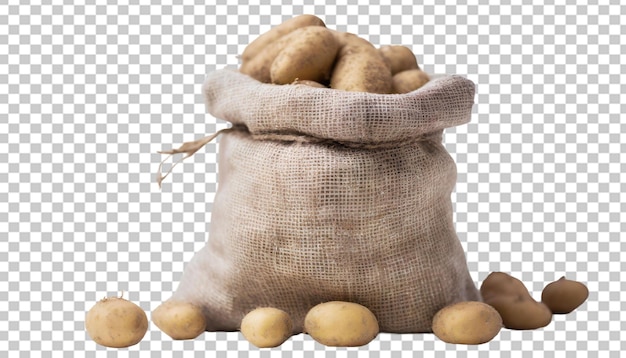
(563, 296)
(116, 322)
(257, 46)
(512, 300)
(398, 58)
(267, 327)
(341, 324)
(309, 55)
(359, 67)
(409, 80)
(179, 320)
(467, 322)
(259, 66)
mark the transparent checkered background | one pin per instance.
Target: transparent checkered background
(90, 92)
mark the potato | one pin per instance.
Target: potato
(179, 320)
(467, 323)
(409, 80)
(259, 66)
(341, 324)
(116, 322)
(398, 58)
(563, 296)
(257, 46)
(308, 56)
(512, 300)
(267, 327)
(308, 83)
(359, 66)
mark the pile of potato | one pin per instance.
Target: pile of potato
(302, 50)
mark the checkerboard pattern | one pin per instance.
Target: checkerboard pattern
(90, 92)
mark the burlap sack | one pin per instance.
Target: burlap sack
(330, 195)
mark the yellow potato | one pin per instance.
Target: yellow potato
(257, 46)
(341, 324)
(467, 323)
(267, 327)
(512, 300)
(563, 296)
(398, 58)
(308, 56)
(179, 320)
(308, 83)
(359, 66)
(409, 80)
(116, 322)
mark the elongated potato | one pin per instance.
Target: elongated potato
(468, 322)
(409, 80)
(341, 324)
(359, 67)
(398, 58)
(512, 300)
(309, 55)
(259, 66)
(563, 296)
(256, 46)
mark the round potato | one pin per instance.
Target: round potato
(563, 296)
(116, 322)
(257, 46)
(409, 80)
(398, 58)
(341, 324)
(179, 320)
(308, 56)
(467, 322)
(359, 66)
(267, 327)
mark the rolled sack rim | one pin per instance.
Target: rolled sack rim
(350, 117)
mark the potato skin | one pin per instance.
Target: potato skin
(179, 320)
(563, 296)
(116, 322)
(359, 67)
(469, 322)
(308, 83)
(341, 324)
(409, 80)
(308, 56)
(259, 66)
(398, 58)
(256, 46)
(267, 327)
(512, 300)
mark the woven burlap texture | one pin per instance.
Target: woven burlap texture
(331, 195)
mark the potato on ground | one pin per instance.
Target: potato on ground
(116, 322)
(409, 80)
(398, 58)
(467, 322)
(267, 327)
(308, 56)
(512, 300)
(179, 320)
(257, 46)
(359, 67)
(563, 296)
(341, 324)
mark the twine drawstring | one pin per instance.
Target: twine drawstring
(189, 148)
